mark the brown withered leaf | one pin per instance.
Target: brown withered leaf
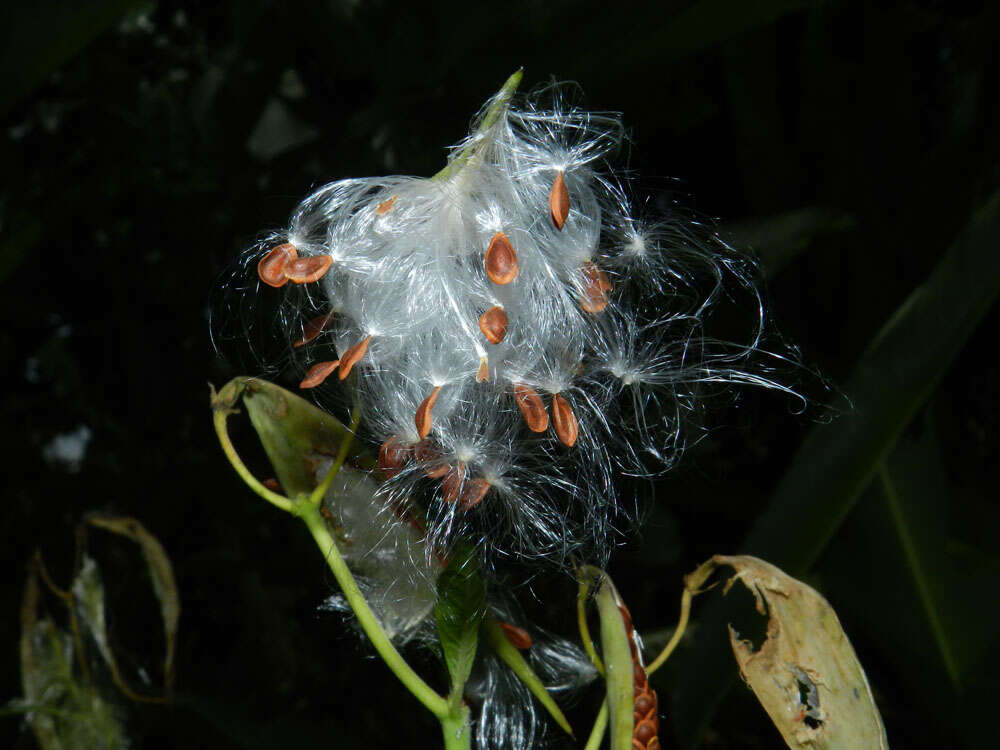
(805, 674)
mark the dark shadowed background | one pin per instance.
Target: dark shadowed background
(145, 144)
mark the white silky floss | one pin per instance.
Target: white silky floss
(492, 315)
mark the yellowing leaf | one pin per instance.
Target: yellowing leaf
(805, 674)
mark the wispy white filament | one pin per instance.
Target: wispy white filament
(608, 311)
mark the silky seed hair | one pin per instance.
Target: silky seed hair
(515, 333)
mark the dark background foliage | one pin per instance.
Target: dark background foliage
(143, 145)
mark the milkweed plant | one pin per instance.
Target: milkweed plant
(508, 343)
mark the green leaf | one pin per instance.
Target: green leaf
(513, 658)
(894, 377)
(899, 577)
(617, 656)
(459, 610)
(295, 434)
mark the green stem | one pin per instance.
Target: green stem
(437, 705)
(909, 546)
(317, 495)
(498, 106)
(678, 633)
(279, 501)
(600, 726)
(456, 730)
(584, 575)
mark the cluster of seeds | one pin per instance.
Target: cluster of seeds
(646, 719)
(518, 336)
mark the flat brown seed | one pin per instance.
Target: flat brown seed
(308, 270)
(501, 260)
(272, 484)
(493, 324)
(483, 374)
(451, 484)
(271, 268)
(596, 286)
(319, 372)
(352, 356)
(313, 328)
(392, 456)
(532, 408)
(385, 206)
(518, 637)
(564, 420)
(428, 457)
(559, 201)
(423, 418)
(473, 493)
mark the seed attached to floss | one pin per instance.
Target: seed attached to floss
(271, 268)
(501, 260)
(308, 270)
(532, 407)
(385, 206)
(392, 455)
(352, 356)
(319, 372)
(428, 457)
(519, 637)
(595, 289)
(313, 328)
(564, 420)
(483, 374)
(493, 324)
(423, 419)
(559, 201)
(473, 493)
(451, 485)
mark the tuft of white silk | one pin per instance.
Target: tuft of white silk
(412, 280)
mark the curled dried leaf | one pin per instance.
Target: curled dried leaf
(319, 372)
(805, 674)
(308, 270)
(424, 419)
(352, 356)
(271, 268)
(559, 201)
(493, 324)
(564, 420)
(501, 260)
(532, 407)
